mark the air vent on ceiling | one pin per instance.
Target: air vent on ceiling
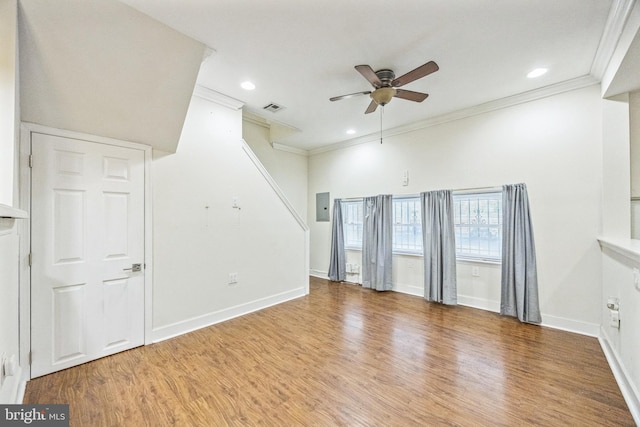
(273, 107)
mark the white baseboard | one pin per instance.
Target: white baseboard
(189, 325)
(319, 274)
(575, 326)
(409, 290)
(630, 394)
(479, 303)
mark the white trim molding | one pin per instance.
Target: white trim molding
(10, 212)
(630, 394)
(570, 325)
(274, 185)
(217, 97)
(319, 274)
(289, 149)
(616, 21)
(629, 248)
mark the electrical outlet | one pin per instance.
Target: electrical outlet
(475, 271)
(233, 278)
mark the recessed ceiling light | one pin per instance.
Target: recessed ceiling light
(247, 85)
(537, 72)
(351, 132)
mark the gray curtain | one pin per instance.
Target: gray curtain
(337, 262)
(519, 295)
(438, 238)
(377, 235)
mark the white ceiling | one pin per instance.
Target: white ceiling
(301, 53)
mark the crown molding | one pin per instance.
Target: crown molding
(259, 121)
(208, 53)
(521, 98)
(616, 21)
(289, 149)
(217, 97)
(254, 119)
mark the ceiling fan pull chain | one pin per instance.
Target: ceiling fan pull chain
(381, 112)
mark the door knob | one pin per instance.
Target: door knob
(134, 268)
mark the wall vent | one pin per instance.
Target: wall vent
(273, 107)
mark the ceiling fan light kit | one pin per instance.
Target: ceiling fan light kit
(383, 95)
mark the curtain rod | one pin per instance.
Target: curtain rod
(459, 190)
(479, 189)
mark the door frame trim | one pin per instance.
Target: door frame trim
(26, 130)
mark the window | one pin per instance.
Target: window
(352, 217)
(407, 225)
(478, 225)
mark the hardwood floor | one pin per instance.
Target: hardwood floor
(348, 356)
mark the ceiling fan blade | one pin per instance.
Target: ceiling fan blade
(368, 73)
(338, 98)
(372, 107)
(421, 71)
(411, 95)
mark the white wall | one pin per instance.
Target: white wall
(200, 238)
(552, 144)
(289, 170)
(8, 99)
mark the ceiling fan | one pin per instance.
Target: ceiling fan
(386, 85)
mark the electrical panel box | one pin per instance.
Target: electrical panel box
(322, 207)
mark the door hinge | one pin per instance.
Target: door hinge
(30, 358)
(30, 160)
(30, 259)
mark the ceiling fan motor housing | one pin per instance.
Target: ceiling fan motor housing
(386, 77)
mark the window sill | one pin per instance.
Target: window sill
(479, 261)
(394, 252)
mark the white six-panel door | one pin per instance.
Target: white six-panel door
(87, 213)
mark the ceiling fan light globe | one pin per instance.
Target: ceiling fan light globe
(383, 95)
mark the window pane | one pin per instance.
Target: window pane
(352, 223)
(407, 225)
(478, 225)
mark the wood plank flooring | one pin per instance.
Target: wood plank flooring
(348, 356)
